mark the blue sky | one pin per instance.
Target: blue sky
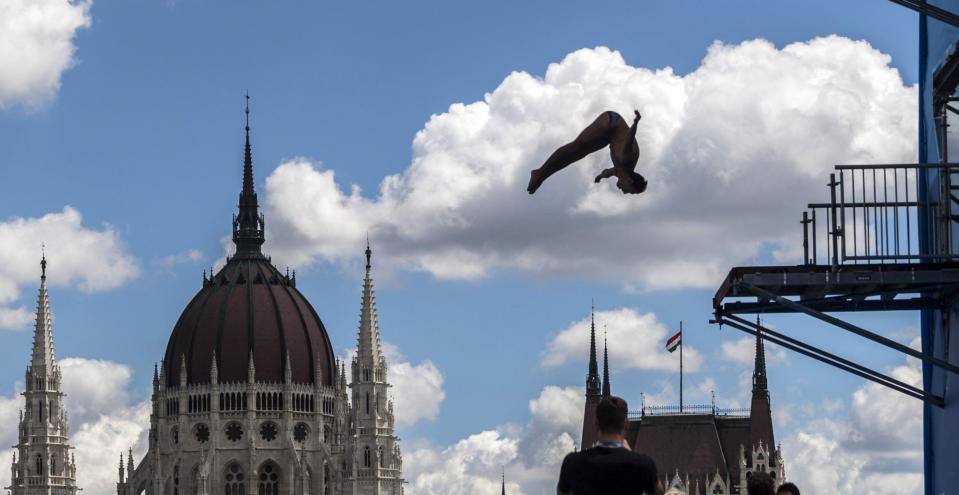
(144, 139)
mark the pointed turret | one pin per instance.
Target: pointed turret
(368, 344)
(43, 429)
(761, 421)
(504, 483)
(248, 222)
(593, 385)
(593, 388)
(606, 386)
(43, 360)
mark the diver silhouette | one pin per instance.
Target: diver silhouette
(609, 129)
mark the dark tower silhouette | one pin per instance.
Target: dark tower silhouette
(606, 392)
(248, 223)
(760, 414)
(593, 389)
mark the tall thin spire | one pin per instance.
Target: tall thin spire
(369, 338)
(248, 223)
(593, 385)
(43, 357)
(760, 384)
(504, 482)
(606, 392)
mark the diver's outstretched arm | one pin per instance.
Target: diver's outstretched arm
(605, 174)
(636, 119)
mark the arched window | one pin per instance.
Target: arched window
(269, 482)
(53, 465)
(176, 480)
(39, 462)
(381, 457)
(367, 403)
(234, 480)
(366, 457)
(41, 409)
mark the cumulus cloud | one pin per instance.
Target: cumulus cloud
(417, 390)
(531, 455)
(732, 150)
(743, 351)
(37, 46)
(171, 260)
(79, 256)
(876, 449)
(638, 340)
(103, 422)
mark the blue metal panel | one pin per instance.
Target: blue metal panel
(940, 426)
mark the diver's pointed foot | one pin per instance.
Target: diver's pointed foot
(535, 181)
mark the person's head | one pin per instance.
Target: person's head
(611, 415)
(787, 489)
(760, 484)
(633, 184)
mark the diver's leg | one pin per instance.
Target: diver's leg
(594, 138)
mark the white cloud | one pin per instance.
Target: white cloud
(531, 455)
(36, 47)
(15, 318)
(189, 256)
(416, 391)
(90, 259)
(732, 151)
(877, 449)
(102, 421)
(743, 351)
(637, 340)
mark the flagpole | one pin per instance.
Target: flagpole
(681, 366)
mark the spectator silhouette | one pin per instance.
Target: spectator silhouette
(609, 467)
(760, 484)
(787, 489)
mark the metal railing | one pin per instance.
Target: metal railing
(692, 409)
(875, 215)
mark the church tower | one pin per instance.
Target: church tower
(376, 455)
(42, 464)
(593, 390)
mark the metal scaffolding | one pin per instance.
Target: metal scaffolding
(863, 250)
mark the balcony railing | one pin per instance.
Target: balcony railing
(874, 215)
(691, 409)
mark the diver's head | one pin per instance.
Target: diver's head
(633, 184)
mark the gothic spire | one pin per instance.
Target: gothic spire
(606, 392)
(760, 385)
(369, 337)
(43, 360)
(504, 482)
(248, 223)
(593, 386)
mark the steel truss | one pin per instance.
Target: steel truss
(819, 289)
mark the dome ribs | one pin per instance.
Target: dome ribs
(193, 312)
(204, 336)
(268, 340)
(233, 346)
(327, 362)
(292, 293)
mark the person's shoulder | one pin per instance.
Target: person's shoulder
(573, 458)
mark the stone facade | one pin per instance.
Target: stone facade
(42, 463)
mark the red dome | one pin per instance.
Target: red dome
(249, 307)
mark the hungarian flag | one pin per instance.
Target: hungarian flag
(673, 343)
